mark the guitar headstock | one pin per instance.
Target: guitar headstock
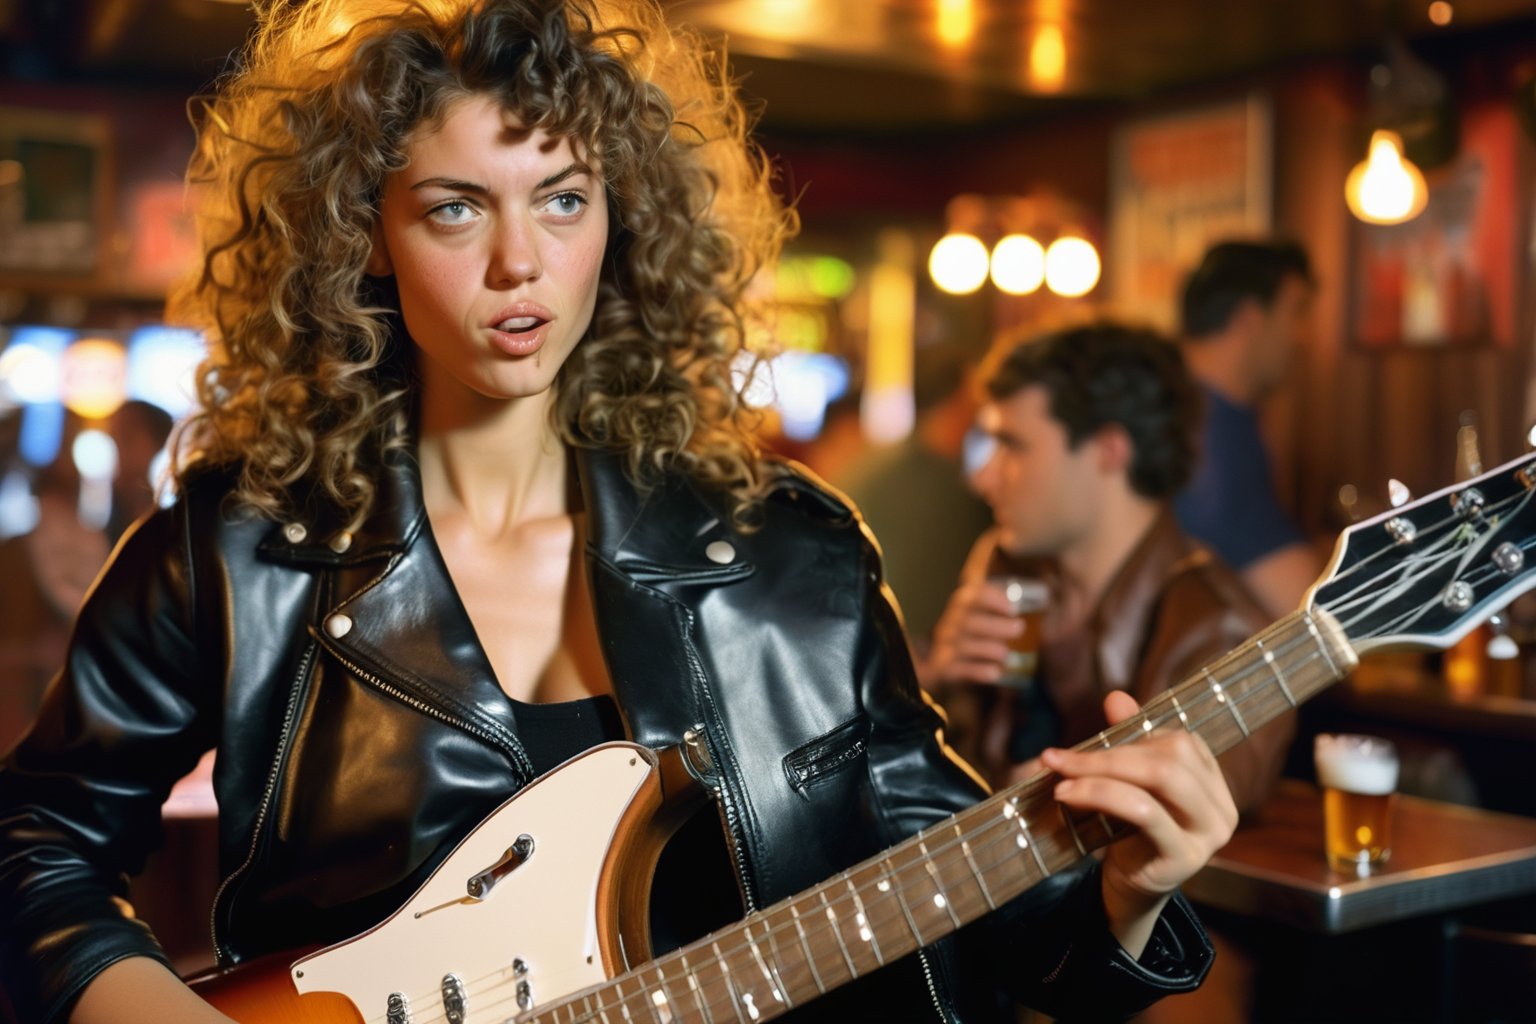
(1426, 574)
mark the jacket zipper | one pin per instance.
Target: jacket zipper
(727, 802)
(933, 988)
(266, 797)
(525, 767)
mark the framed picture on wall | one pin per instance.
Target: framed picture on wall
(1179, 183)
(1451, 275)
(54, 192)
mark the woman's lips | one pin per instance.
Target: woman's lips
(520, 335)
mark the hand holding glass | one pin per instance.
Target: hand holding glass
(1028, 598)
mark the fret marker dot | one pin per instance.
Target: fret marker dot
(1023, 843)
(938, 900)
(1146, 725)
(883, 885)
(746, 997)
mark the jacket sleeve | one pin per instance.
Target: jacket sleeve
(1051, 948)
(80, 795)
(1204, 614)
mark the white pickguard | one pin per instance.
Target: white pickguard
(543, 913)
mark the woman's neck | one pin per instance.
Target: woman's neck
(494, 463)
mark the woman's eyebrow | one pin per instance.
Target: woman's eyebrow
(452, 185)
(569, 170)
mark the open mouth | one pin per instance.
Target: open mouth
(521, 324)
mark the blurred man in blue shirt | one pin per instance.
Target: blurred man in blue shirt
(1246, 309)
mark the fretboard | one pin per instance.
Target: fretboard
(953, 872)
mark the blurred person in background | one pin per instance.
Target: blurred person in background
(47, 571)
(1093, 431)
(1246, 310)
(915, 497)
(140, 430)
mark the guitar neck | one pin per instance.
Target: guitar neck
(956, 871)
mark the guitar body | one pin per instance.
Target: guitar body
(550, 865)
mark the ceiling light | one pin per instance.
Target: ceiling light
(1071, 266)
(958, 264)
(1385, 187)
(1018, 265)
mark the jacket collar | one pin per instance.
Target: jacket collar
(1120, 620)
(316, 536)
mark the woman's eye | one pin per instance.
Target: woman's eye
(454, 211)
(566, 204)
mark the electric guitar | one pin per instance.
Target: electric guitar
(538, 916)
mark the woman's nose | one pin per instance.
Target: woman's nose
(515, 258)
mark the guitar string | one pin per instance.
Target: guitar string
(1453, 526)
(1132, 731)
(1424, 555)
(818, 926)
(996, 824)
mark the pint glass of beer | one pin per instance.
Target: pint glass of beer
(1359, 779)
(1028, 598)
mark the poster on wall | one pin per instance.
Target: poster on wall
(1181, 182)
(1449, 276)
(53, 191)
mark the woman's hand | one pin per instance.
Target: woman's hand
(1166, 785)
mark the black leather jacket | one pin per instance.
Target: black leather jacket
(361, 733)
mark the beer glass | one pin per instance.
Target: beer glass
(1359, 779)
(1028, 599)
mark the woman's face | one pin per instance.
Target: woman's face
(495, 236)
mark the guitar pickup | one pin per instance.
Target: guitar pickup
(481, 883)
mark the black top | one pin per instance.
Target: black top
(554, 733)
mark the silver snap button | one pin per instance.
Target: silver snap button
(720, 551)
(338, 625)
(295, 532)
(341, 542)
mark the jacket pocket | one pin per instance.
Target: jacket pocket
(827, 754)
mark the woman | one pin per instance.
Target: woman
(475, 281)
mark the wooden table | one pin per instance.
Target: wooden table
(1444, 857)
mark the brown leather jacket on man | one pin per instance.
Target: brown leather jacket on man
(1172, 608)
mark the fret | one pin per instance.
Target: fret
(730, 984)
(1104, 739)
(866, 932)
(970, 860)
(623, 1004)
(1183, 718)
(901, 899)
(776, 955)
(661, 999)
(1269, 659)
(810, 958)
(570, 1008)
(940, 896)
(1221, 698)
(837, 932)
(1077, 839)
(770, 974)
(1024, 840)
(693, 986)
(1322, 647)
(602, 1011)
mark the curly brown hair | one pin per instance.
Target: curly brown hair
(308, 383)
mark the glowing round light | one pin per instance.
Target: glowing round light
(1071, 266)
(95, 455)
(1385, 188)
(1441, 12)
(94, 377)
(1018, 265)
(30, 373)
(958, 264)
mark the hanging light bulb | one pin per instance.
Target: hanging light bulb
(1071, 266)
(958, 263)
(1018, 264)
(1385, 187)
